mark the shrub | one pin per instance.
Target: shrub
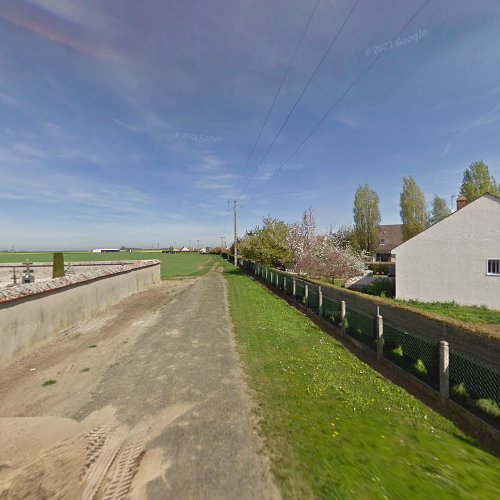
(488, 406)
(420, 367)
(398, 352)
(382, 287)
(460, 391)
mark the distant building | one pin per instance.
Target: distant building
(105, 250)
(185, 249)
(390, 236)
(456, 259)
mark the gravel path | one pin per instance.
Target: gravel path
(157, 409)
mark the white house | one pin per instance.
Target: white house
(456, 259)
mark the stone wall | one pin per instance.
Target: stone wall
(31, 313)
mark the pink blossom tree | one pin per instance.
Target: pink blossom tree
(327, 256)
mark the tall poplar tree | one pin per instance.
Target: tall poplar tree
(439, 210)
(366, 218)
(477, 181)
(413, 213)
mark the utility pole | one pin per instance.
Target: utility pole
(198, 241)
(221, 244)
(235, 237)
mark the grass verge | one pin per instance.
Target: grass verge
(467, 314)
(333, 426)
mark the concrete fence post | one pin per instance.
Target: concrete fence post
(379, 322)
(271, 278)
(444, 369)
(306, 294)
(320, 302)
(284, 284)
(277, 280)
(294, 287)
(342, 317)
(266, 273)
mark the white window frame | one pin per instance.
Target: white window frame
(487, 265)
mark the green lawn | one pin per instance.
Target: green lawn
(468, 314)
(172, 265)
(335, 428)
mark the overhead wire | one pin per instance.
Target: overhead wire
(304, 90)
(340, 98)
(278, 91)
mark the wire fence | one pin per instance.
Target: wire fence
(331, 310)
(361, 327)
(472, 385)
(412, 353)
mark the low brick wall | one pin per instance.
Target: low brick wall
(33, 312)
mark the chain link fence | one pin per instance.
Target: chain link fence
(361, 327)
(472, 385)
(331, 310)
(412, 353)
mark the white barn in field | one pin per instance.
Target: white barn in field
(457, 259)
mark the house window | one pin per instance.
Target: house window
(381, 241)
(493, 267)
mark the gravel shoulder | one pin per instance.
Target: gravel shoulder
(148, 402)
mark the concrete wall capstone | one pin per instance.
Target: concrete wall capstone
(32, 313)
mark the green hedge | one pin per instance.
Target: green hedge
(381, 268)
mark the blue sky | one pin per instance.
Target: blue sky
(125, 122)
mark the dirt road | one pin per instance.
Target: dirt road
(147, 402)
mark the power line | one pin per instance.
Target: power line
(278, 92)
(226, 217)
(340, 98)
(235, 236)
(304, 90)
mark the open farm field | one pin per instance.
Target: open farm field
(334, 427)
(172, 265)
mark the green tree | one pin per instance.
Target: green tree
(267, 244)
(413, 214)
(366, 218)
(439, 210)
(477, 181)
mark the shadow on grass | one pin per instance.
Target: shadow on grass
(233, 270)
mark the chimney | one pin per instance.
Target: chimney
(461, 202)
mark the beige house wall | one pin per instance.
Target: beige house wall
(448, 261)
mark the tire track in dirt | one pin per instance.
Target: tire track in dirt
(160, 412)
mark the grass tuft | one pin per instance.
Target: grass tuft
(49, 382)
